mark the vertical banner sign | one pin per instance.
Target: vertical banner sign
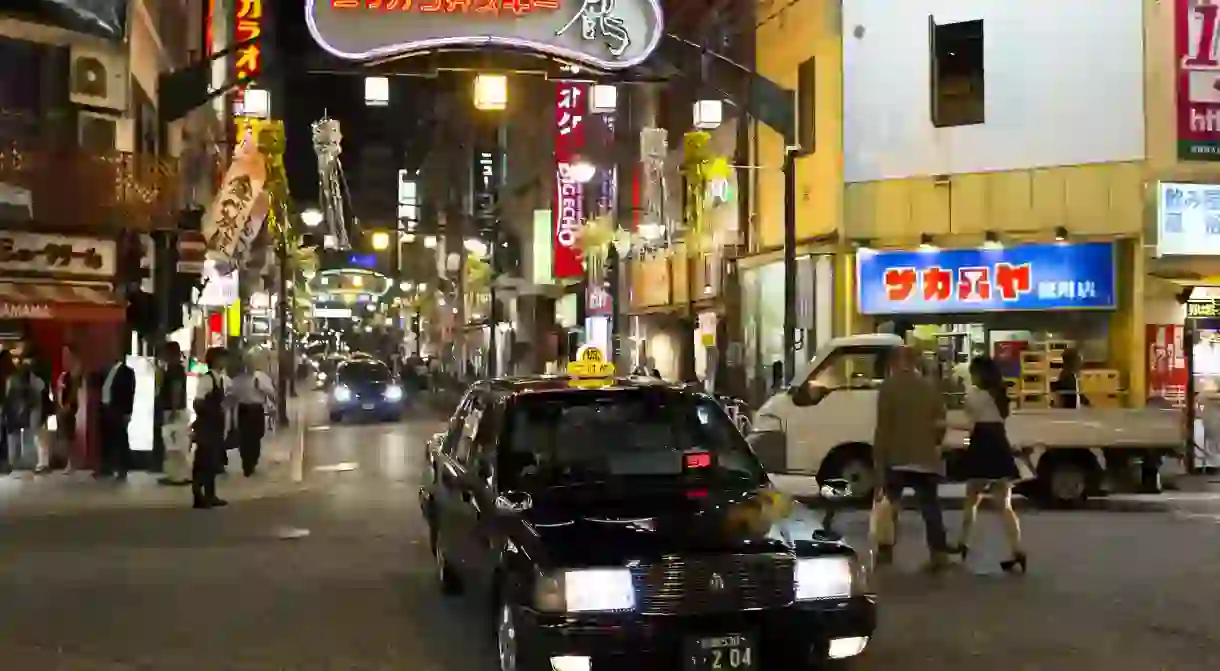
(1198, 80)
(486, 185)
(571, 108)
(247, 25)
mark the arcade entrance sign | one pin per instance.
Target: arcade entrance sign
(608, 34)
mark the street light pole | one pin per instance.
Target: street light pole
(286, 360)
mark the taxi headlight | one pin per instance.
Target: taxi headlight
(393, 393)
(826, 578)
(343, 394)
(585, 591)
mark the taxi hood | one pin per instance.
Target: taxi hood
(599, 524)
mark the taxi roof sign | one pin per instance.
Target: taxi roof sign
(590, 363)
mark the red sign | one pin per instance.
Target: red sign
(514, 7)
(1198, 80)
(571, 110)
(1166, 364)
(248, 25)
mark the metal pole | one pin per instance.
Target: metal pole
(281, 398)
(789, 263)
(492, 321)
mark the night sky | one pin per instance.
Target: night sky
(310, 96)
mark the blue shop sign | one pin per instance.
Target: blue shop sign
(362, 260)
(1057, 276)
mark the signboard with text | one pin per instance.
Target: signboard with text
(1055, 276)
(43, 254)
(611, 34)
(1197, 52)
(1187, 219)
(248, 25)
(571, 110)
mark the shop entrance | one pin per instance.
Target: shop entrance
(1202, 356)
(1028, 346)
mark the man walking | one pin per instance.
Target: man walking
(907, 450)
(118, 399)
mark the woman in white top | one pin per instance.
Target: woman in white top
(988, 462)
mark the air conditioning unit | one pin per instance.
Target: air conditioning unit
(105, 133)
(98, 78)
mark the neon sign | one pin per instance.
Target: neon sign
(247, 26)
(609, 34)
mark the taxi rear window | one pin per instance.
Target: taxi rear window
(559, 438)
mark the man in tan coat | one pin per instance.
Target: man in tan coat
(907, 449)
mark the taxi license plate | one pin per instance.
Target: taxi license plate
(368, 406)
(730, 652)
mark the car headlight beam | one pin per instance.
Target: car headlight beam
(393, 393)
(825, 578)
(585, 591)
(343, 394)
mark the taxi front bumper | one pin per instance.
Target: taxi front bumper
(790, 637)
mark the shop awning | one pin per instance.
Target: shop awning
(60, 301)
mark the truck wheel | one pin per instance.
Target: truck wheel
(1065, 482)
(855, 465)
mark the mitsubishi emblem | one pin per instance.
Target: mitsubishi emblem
(716, 582)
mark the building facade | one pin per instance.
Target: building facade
(984, 174)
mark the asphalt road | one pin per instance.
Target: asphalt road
(179, 589)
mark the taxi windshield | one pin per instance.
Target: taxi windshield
(365, 371)
(591, 436)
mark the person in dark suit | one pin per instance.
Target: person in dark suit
(118, 399)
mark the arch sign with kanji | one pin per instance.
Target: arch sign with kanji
(609, 34)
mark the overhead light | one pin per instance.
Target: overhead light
(381, 241)
(603, 99)
(255, 103)
(311, 217)
(581, 171)
(430, 241)
(422, 286)
(490, 92)
(408, 238)
(992, 241)
(329, 242)
(405, 286)
(927, 242)
(376, 91)
(1061, 233)
(709, 114)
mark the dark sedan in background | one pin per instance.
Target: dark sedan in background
(365, 389)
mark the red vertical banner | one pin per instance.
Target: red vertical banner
(571, 111)
(1197, 23)
(248, 25)
(1166, 364)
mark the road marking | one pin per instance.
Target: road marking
(341, 466)
(291, 533)
(320, 427)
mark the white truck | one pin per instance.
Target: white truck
(822, 426)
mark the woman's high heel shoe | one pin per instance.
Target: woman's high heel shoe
(1018, 561)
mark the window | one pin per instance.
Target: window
(852, 367)
(957, 73)
(806, 114)
(469, 430)
(620, 436)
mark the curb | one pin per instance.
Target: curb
(105, 505)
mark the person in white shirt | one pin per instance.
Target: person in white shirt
(252, 392)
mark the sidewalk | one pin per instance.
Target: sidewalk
(279, 474)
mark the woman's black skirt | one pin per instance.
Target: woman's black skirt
(989, 455)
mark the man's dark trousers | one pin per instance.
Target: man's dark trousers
(927, 495)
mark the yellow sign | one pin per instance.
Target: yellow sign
(590, 363)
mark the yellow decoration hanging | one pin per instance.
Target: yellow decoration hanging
(595, 236)
(699, 168)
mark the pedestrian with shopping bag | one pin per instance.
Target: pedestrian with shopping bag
(988, 461)
(910, 430)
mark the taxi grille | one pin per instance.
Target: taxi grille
(713, 584)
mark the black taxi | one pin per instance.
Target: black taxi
(624, 523)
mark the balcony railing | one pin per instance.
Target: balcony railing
(81, 190)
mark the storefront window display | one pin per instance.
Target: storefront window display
(1024, 306)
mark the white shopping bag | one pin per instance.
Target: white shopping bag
(881, 523)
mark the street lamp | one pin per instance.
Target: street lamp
(582, 171)
(490, 92)
(381, 241)
(312, 217)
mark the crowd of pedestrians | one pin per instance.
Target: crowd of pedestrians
(40, 417)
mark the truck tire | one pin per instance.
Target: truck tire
(1065, 479)
(853, 463)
